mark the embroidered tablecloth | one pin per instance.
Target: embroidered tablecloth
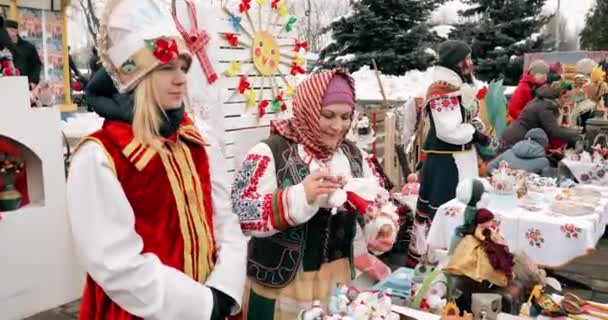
(551, 239)
(586, 172)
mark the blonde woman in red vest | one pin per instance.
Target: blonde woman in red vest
(300, 248)
(147, 198)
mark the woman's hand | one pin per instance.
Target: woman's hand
(384, 241)
(319, 183)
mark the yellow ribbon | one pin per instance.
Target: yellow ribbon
(234, 69)
(250, 94)
(283, 10)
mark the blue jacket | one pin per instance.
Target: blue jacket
(526, 155)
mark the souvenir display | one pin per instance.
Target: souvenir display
(536, 182)
(576, 202)
(347, 303)
(505, 186)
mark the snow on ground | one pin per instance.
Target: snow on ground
(413, 83)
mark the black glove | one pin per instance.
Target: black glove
(222, 305)
(481, 139)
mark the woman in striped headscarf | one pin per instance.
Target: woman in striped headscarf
(299, 250)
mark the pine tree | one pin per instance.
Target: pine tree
(500, 32)
(393, 32)
(595, 34)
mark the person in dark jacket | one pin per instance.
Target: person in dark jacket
(528, 154)
(535, 77)
(542, 112)
(27, 59)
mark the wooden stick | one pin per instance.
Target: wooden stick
(377, 73)
(284, 78)
(275, 90)
(269, 20)
(260, 17)
(288, 56)
(250, 21)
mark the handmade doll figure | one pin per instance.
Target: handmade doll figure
(300, 246)
(147, 195)
(481, 260)
(412, 186)
(482, 254)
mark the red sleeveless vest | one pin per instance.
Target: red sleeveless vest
(170, 194)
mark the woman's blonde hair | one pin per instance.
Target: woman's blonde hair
(148, 112)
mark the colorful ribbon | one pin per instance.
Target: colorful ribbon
(290, 24)
(299, 45)
(244, 85)
(262, 108)
(196, 40)
(232, 39)
(245, 5)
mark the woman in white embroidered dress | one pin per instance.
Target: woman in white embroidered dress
(299, 250)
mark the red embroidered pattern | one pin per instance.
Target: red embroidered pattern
(444, 104)
(370, 164)
(262, 161)
(255, 226)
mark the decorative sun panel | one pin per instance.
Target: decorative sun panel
(266, 56)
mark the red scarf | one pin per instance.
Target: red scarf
(304, 127)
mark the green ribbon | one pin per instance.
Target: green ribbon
(290, 23)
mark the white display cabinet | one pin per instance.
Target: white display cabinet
(38, 267)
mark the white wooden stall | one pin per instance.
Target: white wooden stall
(227, 112)
(38, 269)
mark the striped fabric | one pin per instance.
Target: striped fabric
(304, 127)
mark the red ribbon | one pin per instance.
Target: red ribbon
(245, 5)
(262, 108)
(296, 69)
(244, 85)
(280, 99)
(482, 93)
(196, 40)
(275, 4)
(300, 45)
(232, 39)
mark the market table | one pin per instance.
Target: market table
(551, 239)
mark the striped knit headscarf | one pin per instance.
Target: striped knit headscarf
(307, 103)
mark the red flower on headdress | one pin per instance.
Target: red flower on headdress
(275, 4)
(165, 50)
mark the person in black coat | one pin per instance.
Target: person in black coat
(26, 57)
(542, 112)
